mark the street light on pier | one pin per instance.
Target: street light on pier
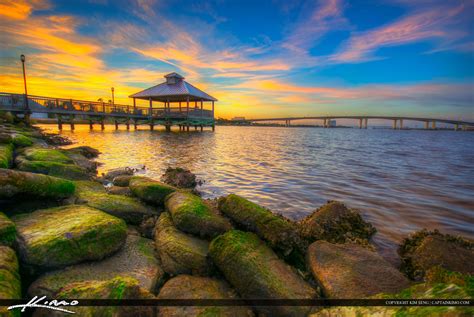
(113, 100)
(23, 59)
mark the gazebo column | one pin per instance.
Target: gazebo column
(134, 106)
(201, 109)
(187, 113)
(213, 124)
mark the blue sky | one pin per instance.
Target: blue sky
(259, 58)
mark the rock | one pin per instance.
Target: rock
(10, 287)
(147, 226)
(194, 287)
(20, 140)
(334, 222)
(130, 209)
(7, 230)
(179, 177)
(256, 272)
(15, 183)
(85, 150)
(111, 174)
(117, 288)
(61, 236)
(46, 155)
(180, 253)
(6, 155)
(55, 139)
(280, 233)
(150, 190)
(424, 250)
(135, 260)
(83, 162)
(5, 138)
(190, 214)
(122, 180)
(117, 190)
(67, 171)
(352, 271)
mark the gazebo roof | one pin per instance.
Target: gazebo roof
(174, 89)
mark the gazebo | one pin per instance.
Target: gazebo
(183, 104)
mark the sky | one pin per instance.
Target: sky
(258, 58)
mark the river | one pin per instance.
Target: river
(401, 181)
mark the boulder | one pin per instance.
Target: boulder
(122, 180)
(117, 190)
(135, 260)
(179, 177)
(280, 233)
(195, 287)
(6, 155)
(117, 288)
(83, 162)
(147, 226)
(20, 140)
(7, 230)
(150, 190)
(256, 272)
(180, 253)
(130, 209)
(46, 155)
(334, 222)
(10, 284)
(111, 174)
(61, 236)
(85, 150)
(67, 171)
(352, 271)
(15, 182)
(192, 215)
(424, 250)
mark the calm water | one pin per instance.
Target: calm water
(400, 180)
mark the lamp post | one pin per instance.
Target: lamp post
(23, 58)
(113, 100)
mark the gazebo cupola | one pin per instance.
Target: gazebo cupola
(173, 78)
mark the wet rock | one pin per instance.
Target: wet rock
(255, 271)
(424, 250)
(352, 271)
(136, 259)
(111, 174)
(10, 287)
(6, 155)
(66, 171)
(5, 137)
(20, 140)
(116, 288)
(194, 287)
(83, 162)
(280, 233)
(334, 222)
(130, 209)
(7, 230)
(150, 190)
(46, 155)
(147, 226)
(15, 183)
(122, 180)
(61, 236)
(55, 139)
(179, 177)
(85, 150)
(180, 253)
(117, 190)
(190, 214)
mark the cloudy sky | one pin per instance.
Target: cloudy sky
(259, 58)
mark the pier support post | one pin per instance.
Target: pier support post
(91, 125)
(360, 123)
(168, 127)
(60, 124)
(102, 125)
(195, 128)
(427, 125)
(116, 125)
(151, 125)
(213, 128)
(72, 124)
(201, 128)
(127, 123)
(401, 124)
(187, 127)
(135, 126)
(366, 121)
(394, 124)
(433, 125)
(456, 127)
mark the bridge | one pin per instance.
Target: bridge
(363, 121)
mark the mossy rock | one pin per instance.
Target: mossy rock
(136, 259)
(122, 180)
(179, 177)
(352, 271)
(61, 236)
(255, 271)
(426, 249)
(192, 215)
(280, 233)
(84, 150)
(6, 155)
(180, 253)
(118, 288)
(149, 190)
(130, 209)
(334, 222)
(195, 287)
(24, 183)
(7, 230)
(83, 162)
(10, 285)
(46, 155)
(20, 140)
(66, 171)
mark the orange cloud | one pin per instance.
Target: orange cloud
(20, 9)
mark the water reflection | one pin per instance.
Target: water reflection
(400, 180)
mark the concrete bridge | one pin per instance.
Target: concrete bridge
(398, 121)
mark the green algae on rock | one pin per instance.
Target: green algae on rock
(280, 233)
(255, 271)
(180, 253)
(7, 230)
(352, 271)
(6, 155)
(66, 171)
(10, 285)
(16, 182)
(426, 249)
(122, 180)
(20, 140)
(61, 236)
(150, 190)
(334, 222)
(84, 150)
(195, 287)
(192, 215)
(47, 155)
(130, 209)
(136, 259)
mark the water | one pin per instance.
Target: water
(401, 181)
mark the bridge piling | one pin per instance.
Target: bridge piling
(102, 126)
(394, 126)
(91, 125)
(116, 125)
(401, 124)
(433, 125)
(127, 124)
(366, 123)
(72, 124)
(360, 123)
(60, 124)
(427, 125)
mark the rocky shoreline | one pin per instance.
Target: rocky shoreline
(67, 233)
